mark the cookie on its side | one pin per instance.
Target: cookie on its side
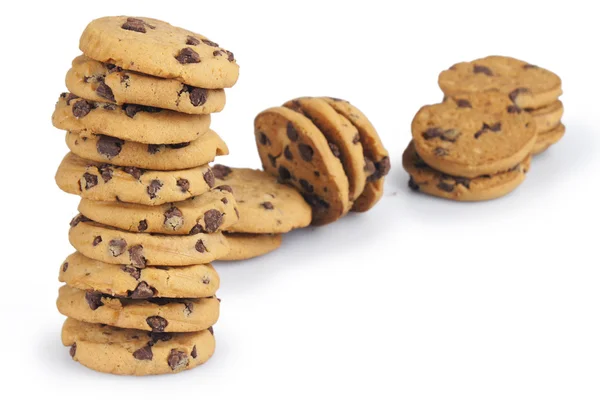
(547, 139)
(133, 352)
(244, 246)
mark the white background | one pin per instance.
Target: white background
(418, 299)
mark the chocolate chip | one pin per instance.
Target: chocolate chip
(315, 201)
(496, 127)
(267, 205)
(369, 167)
(209, 178)
(65, 266)
(188, 56)
(183, 184)
(153, 188)
(432, 133)
(104, 91)
(450, 135)
(192, 41)
(200, 248)
(133, 271)
(382, 168)
(292, 133)
(220, 171)
(90, 180)
(143, 291)
(272, 160)
(306, 152)
(445, 186)
(213, 220)
(307, 187)
(515, 93)
(81, 108)
(109, 146)
(198, 96)
(177, 360)
(230, 56)
(462, 103)
(263, 139)
(112, 68)
(136, 256)
(188, 308)
(196, 229)
(217, 53)
(210, 43)
(334, 149)
(73, 350)
(156, 337)
(194, 353)
(463, 181)
(225, 188)
(205, 280)
(288, 153)
(116, 247)
(97, 240)
(132, 109)
(482, 69)
(79, 218)
(154, 148)
(513, 109)
(106, 172)
(94, 299)
(143, 225)
(210, 328)
(133, 171)
(69, 97)
(284, 173)
(356, 139)
(134, 24)
(173, 218)
(145, 353)
(237, 212)
(156, 323)
(493, 128)
(440, 152)
(529, 66)
(224, 200)
(413, 185)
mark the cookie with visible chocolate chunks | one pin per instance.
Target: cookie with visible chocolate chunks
(133, 122)
(206, 213)
(244, 246)
(265, 205)
(106, 182)
(81, 272)
(159, 49)
(97, 81)
(473, 134)
(425, 179)
(114, 246)
(156, 315)
(524, 84)
(376, 157)
(547, 139)
(292, 148)
(121, 351)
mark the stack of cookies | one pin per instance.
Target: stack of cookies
(140, 294)
(328, 150)
(477, 144)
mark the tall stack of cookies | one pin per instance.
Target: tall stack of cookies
(140, 293)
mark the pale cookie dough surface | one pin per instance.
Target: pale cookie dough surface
(292, 148)
(473, 135)
(194, 281)
(103, 82)
(206, 213)
(128, 122)
(157, 48)
(114, 246)
(377, 159)
(246, 245)
(157, 315)
(163, 157)
(526, 85)
(121, 351)
(104, 182)
(265, 205)
(547, 139)
(548, 118)
(427, 180)
(343, 139)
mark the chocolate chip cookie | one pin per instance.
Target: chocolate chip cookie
(104, 82)
(156, 48)
(133, 122)
(114, 246)
(105, 182)
(133, 352)
(547, 118)
(156, 315)
(244, 246)
(547, 139)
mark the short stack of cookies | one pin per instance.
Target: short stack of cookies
(477, 144)
(140, 293)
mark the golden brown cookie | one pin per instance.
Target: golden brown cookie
(547, 118)
(547, 139)
(244, 246)
(121, 351)
(473, 135)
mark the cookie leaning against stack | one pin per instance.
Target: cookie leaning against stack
(328, 150)
(138, 127)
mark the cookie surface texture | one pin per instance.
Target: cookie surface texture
(246, 245)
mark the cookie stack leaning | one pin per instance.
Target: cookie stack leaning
(140, 292)
(530, 88)
(328, 150)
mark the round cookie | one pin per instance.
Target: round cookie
(128, 122)
(427, 180)
(207, 213)
(246, 245)
(98, 81)
(343, 139)
(526, 85)
(292, 147)
(113, 246)
(547, 139)
(164, 157)
(547, 118)
(157, 315)
(473, 135)
(81, 272)
(156, 48)
(265, 205)
(105, 182)
(377, 159)
(120, 351)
